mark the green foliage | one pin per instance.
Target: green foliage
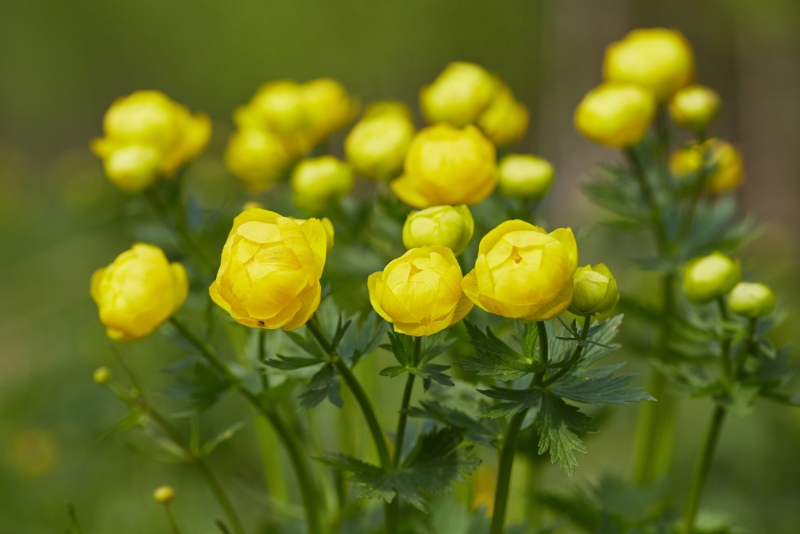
(494, 358)
(559, 425)
(403, 348)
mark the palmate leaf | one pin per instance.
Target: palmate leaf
(515, 401)
(494, 358)
(198, 384)
(324, 384)
(482, 431)
(559, 424)
(361, 338)
(599, 385)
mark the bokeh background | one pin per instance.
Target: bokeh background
(61, 65)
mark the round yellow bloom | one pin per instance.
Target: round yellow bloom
(329, 232)
(256, 157)
(328, 107)
(420, 292)
(505, 120)
(376, 147)
(524, 176)
(446, 226)
(277, 106)
(446, 165)
(522, 272)
(709, 277)
(132, 168)
(727, 167)
(460, 93)
(164, 495)
(595, 291)
(270, 270)
(615, 114)
(101, 375)
(138, 292)
(658, 59)
(694, 107)
(751, 300)
(316, 182)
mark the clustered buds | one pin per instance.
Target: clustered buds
(721, 158)
(595, 291)
(446, 226)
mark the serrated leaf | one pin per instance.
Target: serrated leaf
(199, 385)
(494, 358)
(324, 384)
(516, 400)
(435, 372)
(559, 424)
(291, 363)
(392, 371)
(360, 340)
(599, 385)
(481, 431)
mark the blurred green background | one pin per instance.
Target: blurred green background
(61, 65)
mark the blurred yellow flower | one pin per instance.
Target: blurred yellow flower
(164, 495)
(595, 291)
(257, 157)
(694, 107)
(270, 270)
(376, 147)
(147, 134)
(659, 59)
(709, 277)
(447, 166)
(727, 167)
(446, 226)
(615, 114)
(328, 107)
(316, 182)
(458, 95)
(277, 106)
(420, 292)
(751, 300)
(524, 176)
(138, 292)
(34, 452)
(522, 272)
(506, 119)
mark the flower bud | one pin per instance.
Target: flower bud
(164, 495)
(446, 226)
(316, 182)
(420, 292)
(751, 300)
(132, 168)
(101, 375)
(376, 147)
(458, 95)
(524, 176)
(522, 272)
(138, 292)
(447, 166)
(277, 106)
(657, 58)
(595, 291)
(505, 120)
(615, 114)
(694, 107)
(252, 205)
(256, 157)
(328, 107)
(709, 277)
(723, 160)
(270, 269)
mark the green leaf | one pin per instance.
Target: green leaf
(494, 358)
(291, 363)
(199, 385)
(481, 431)
(393, 370)
(309, 344)
(225, 435)
(599, 385)
(360, 340)
(559, 424)
(516, 400)
(324, 384)
(433, 372)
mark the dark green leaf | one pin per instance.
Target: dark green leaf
(559, 425)
(516, 400)
(599, 385)
(494, 358)
(481, 431)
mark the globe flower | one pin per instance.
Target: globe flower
(257, 157)
(615, 114)
(327, 225)
(376, 147)
(446, 226)
(420, 292)
(328, 107)
(524, 176)
(595, 291)
(138, 292)
(505, 120)
(164, 495)
(316, 182)
(694, 107)
(725, 162)
(270, 269)
(658, 59)
(751, 300)
(446, 165)
(522, 272)
(101, 375)
(709, 277)
(458, 95)
(147, 135)
(277, 106)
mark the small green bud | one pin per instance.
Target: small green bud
(751, 300)
(709, 277)
(595, 291)
(164, 495)
(524, 176)
(694, 107)
(102, 375)
(447, 226)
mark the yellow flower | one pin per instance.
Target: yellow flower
(615, 114)
(148, 135)
(524, 176)
(377, 145)
(316, 182)
(595, 291)
(657, 58)
(446, 165)
(694, 107)
(138, 292)
(458, 95)
(329, 232)
(522, 272)
(270, 270)
(256, 157)
(328, 107)
(727, 167)
(446, 226)
(751, 300)
(709, 277)
(420, 292)
(164, 495)
(277, 106)
(101, 375)
(505, 120)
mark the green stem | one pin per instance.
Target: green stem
(751, 348)
(75, 526)
(727, 364)
(172, 522)
(576, 355)
(701, 470)
(699, 186)
(291, 443)
(662, 238)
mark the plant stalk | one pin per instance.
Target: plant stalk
(701, 469)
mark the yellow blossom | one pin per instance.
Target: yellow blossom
(751, 300)
(524, 176)
(709, 277)
(164, 495)
(725, 162)
(615, 114)
(447, 226)
(505, 120)
(458, 95)
(316, 182)
(694, 107)
(376, 147)
(328, 107)
(257, 157)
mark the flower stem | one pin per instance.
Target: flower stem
(172, 522)
(662, 238)
(701, 469)
(700, 185)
